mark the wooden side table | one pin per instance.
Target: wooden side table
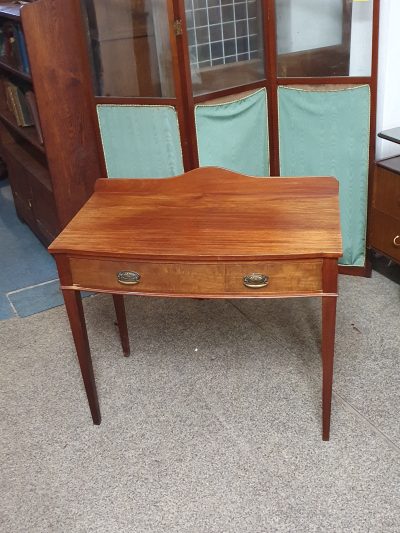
(210, 233)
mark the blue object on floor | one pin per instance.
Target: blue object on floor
(6, 310)
(24, 263)
(32, 300)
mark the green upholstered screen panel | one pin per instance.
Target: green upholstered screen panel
(234, 135)
(326, 133)
(140, 141)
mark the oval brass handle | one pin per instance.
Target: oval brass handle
(396, 241)
(255, 281)
(128, 278)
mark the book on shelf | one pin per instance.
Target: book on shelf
(22, 49)
(12, 106)
(18, 104)
(31, 101)
(13, 49)
(27, 118)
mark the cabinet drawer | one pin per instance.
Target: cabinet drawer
(386, 192)
(157, 278)
(283, 277)
(383, 231)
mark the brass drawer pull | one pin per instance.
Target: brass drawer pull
(128, 278)
(255, 281)
(396, 241)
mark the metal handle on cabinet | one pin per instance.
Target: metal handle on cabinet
(126, 277)
(396, 241)
(255, 281)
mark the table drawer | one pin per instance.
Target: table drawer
(157, 278)
(385, 234)
(229, 279)
(280, 277)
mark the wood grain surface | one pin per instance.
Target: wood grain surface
(207, 214)
(210, 280)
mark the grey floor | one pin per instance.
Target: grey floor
(213, 423)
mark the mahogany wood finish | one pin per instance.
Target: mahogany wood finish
(234, 209)
(73, 304)
(28, 133)
(121, 322)
(132, 100)
(270, 58)
(60, 68)
(328, 341)
(384, 221)
(184, 89)
(200, 280)
(23, 154)
(374, 99)
(346, 30)
(364, 271)
(208, 233)
(318, 80)
(51, 182)
(229, 95)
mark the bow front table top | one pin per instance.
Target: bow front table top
(209, 233)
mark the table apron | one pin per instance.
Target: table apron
(274, 278)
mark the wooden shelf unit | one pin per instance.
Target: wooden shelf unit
(23, 153)
(50, 181)
(15, 71)
(28, 133)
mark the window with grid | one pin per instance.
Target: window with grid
(222, 31)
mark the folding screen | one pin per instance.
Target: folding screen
(140, 141)
(320, 136)
(234, 134)
(263, 87)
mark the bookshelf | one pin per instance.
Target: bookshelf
(52, 159)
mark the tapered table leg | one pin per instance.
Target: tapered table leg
(121, 320)
(328, 348)
(73, 304)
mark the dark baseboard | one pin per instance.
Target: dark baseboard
(385, 266)
(364, 271)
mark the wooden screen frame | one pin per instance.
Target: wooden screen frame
(185, 102)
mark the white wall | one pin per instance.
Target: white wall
(290, 13)
(389, 76)
(361, 38)
(309, 24)
(297, 33)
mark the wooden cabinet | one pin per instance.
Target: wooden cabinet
(384, 221)
(50, 177)
(21, 148)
